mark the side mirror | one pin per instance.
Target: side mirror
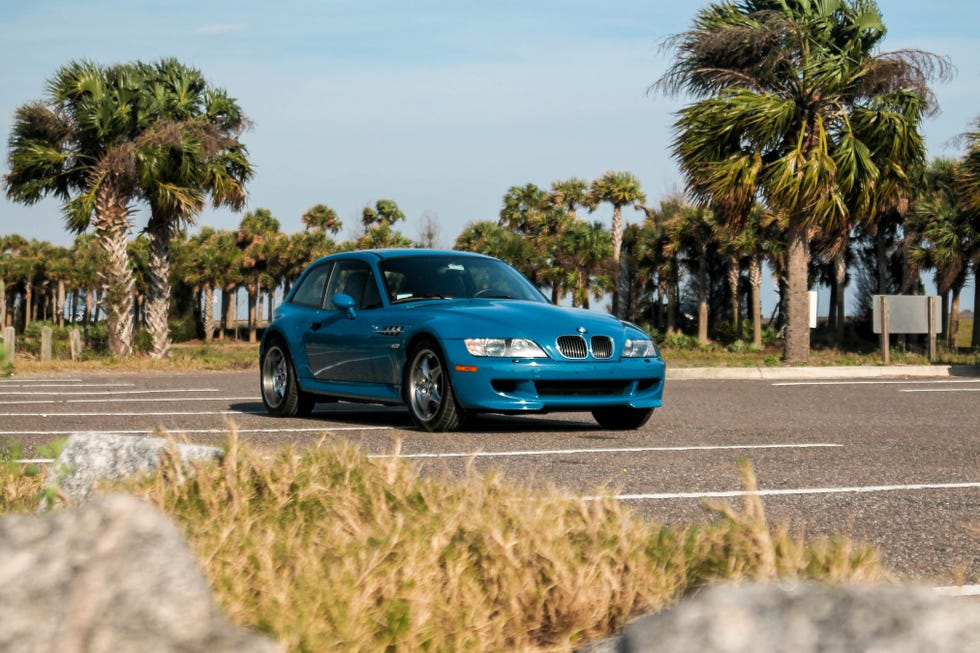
(346, 303)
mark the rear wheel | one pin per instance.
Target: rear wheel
(622, 419)
(430, 398)
(280, 389)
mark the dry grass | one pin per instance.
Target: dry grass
(327, 550)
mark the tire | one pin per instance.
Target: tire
(429, 390)
(277, 381)
(622, 419)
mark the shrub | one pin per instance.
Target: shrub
(326, 549)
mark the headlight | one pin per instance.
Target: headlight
(504, 348)
(640, 348)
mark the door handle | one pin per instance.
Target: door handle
(316, 326)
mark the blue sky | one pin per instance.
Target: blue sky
(439, 105)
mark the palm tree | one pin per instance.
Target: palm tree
(690, 238)
(203, 266)
(793, 99)
(619, 189)
(321, 217)
(303, 248)
(10, 247)
(489, 237)
(229, 276)
(581, 252)
(378, 226)
(523, 213)
(969, 191)
(88, 259)
(950, 236)
(61, 273)
(189, 151)
(261, 244)
(78, 146)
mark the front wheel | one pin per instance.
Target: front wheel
(280, 389)
(430, 398)
(622, 419)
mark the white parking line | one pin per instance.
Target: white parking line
(788, 492)
(138, 414)
(572, 452)
(324, 429)
(110, 393)
(40, 380)
(893, 382)
(68, 385)
(942, 390)
(49, 402)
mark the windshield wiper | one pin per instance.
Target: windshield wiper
(417, 298)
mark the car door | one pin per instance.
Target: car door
(339, 342)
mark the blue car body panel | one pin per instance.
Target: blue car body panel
(360, 354)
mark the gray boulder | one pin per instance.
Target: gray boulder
(809, 618)
(88, 457)
(111, 575)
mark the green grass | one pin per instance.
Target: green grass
(325, 549)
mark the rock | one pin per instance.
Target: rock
(810, 618)
(88, 457)
(111, 575)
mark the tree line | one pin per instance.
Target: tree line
(802, 148)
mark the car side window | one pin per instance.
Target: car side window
(353, 278)
(310, 291)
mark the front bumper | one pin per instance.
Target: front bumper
(544, 384)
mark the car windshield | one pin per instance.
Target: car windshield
(413, 278)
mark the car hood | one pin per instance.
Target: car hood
(489, 318)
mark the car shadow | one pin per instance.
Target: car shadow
(355, 414)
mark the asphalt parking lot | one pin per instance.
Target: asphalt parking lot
(891, 461)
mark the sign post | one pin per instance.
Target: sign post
(885, 334)
(906, 314)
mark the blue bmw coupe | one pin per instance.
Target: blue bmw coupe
(450, 334)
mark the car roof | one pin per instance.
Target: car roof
(382, 254)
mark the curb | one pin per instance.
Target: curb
(804, 373)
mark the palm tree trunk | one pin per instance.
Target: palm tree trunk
(253, 296)
(87, 311)
(112, 232)
(227, 312)
(157, 309)
(837, 308)
(59, 304)
(703, 296)
(954, 316)
(944, 311)
(755, 280)
(3, 304)
(28, 303)
(797, 341)
(672, 292)
(617, 237)
(881, 257)
(975, 340)
(208, 292)
(733, 274)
